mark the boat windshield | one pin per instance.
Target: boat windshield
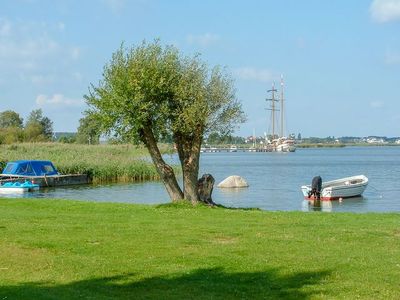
(9, 168)
(47, 169)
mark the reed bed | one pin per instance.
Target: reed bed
(103, 163)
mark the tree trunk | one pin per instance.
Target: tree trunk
(164, 170)
(189, 154)
(190, 178)
(205, 188)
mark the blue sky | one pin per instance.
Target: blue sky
(340, 59)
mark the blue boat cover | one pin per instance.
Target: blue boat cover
(30, 168)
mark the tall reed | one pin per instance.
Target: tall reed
(103, 163)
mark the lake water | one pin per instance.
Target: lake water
(274, 179)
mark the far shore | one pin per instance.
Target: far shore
(319, 145)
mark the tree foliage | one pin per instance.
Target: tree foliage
(215, 138)
(150, 91)
(38, 127)
(10, 118)
(11, 127)
(88, 130)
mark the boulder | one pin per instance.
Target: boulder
(233, 181)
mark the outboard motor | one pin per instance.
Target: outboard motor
(316, 186)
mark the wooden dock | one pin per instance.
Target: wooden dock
(238, 149)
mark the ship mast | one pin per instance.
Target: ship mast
(282, 106)
(272, 109)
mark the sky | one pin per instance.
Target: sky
(340, 59)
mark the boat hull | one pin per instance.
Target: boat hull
(49, 181)
(284, 145)
(18, 188)
(339, 189)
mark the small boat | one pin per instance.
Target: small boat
(233, 148)
(42, 172)
(17, 187)
(341, 188)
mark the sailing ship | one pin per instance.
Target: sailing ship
(277, 141)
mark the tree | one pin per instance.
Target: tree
(38, 127)
(150, 91)
(10, 118)
(10, 127)
(34, 132)
(47, 127)
(214, 138)
(11, 135)
(88, 130)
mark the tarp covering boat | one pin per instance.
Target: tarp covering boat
(29, 168)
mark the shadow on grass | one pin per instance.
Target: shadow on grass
(188, 205)
(200, 284)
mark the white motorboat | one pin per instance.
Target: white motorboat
(338, 189)
(233, 148)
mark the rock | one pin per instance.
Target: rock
(233, 181)
(205, 187)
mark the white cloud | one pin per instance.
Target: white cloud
(392, 57)
(28, 44)
(204, 40)
(25, 58)
(115, 5)
(77, 76)
(376, 104)
(38, 79)
(57, 100)
(385, 10)
(300, 42)
(32, 52)
(61, 26)
(5, 27)
(249, 73)
(75, 53)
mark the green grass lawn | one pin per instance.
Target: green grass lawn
(58, 249)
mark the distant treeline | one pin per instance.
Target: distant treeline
(350, 140)
(39, 128)
(13, 129)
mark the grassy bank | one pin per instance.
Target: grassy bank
(104, 163)
(57, 249)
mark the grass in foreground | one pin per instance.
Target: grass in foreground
(103, 163)
(57, 249)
